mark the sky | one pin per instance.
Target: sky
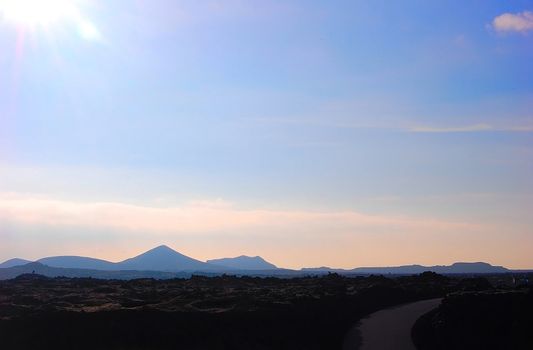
(311, 133)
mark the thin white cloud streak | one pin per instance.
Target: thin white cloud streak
(207, 217)
(417, 128)
(470, 128)
(514, 22)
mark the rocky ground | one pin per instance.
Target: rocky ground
(202, 312)
(492, 319)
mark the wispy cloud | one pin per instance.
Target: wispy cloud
(470, 128)
(514, 22)
(481, 127)
(203, 217)
(34, 226)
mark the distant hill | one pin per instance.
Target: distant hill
(243, 262)
(164, 258)
(476, 267)
(161, 258)
(78, 262)
(321, 269)
(164, 262)
(13, 262)
(48, 271)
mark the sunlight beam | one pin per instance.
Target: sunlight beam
(37, 12)
(40, 14)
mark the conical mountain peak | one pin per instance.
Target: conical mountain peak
(163, 258)
(162, 248)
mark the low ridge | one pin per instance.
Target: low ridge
(78, 262)
(244, 262)
(13, 262)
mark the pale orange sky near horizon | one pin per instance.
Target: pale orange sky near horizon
(214, 229)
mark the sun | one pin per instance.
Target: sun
(38, 12)
(35, 14)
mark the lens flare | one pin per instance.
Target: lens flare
(37, 12)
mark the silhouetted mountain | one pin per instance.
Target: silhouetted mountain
(164, 262)
(321, 269)
(78, 262)
(244, 262)
(13, 262)
(164, 258)
(476, 267)
(161, 258)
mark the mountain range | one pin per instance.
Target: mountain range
(456, 268)
(162, 259)
(163, 262)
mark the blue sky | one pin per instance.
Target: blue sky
(340, 133)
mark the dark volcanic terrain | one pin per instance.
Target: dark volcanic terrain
(497, 319)
(223, 312)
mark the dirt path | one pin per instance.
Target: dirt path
(389, 328)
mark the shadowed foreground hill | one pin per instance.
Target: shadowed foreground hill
(199, 313)
(484, 321)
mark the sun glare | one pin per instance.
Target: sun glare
(33, 14)
(37, 12)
